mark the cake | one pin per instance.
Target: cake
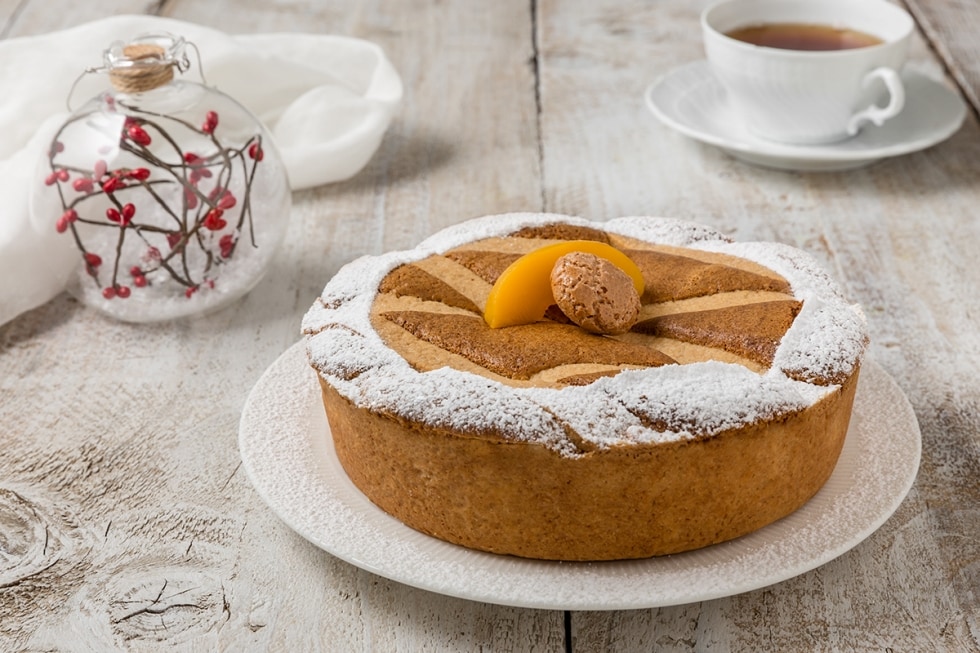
(723, 408)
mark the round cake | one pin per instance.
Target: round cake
(723, 408)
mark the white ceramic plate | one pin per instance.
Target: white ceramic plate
(288, 455)
(690, 100)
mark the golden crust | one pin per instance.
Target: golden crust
(626, 502)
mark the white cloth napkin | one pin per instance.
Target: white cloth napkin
(327, 100)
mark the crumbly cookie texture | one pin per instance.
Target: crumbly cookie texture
(595, 294)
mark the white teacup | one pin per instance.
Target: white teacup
(803, 96)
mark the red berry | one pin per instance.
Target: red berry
(112, 184)
(214, 221)
(190, 157)
(135, 271)
(173, 238)
(227, 245)
(93, 259)
(198, 173)
(138, 135)
(51, 179)
(128, 211)
(139, 281)
(225, 198)
(99, 169)
(113, 215)
(122, 292)
(210, 122)
(190, 197)
(82, 185)
(142, 174)
(227, 201)
(66, 218)
(57, 146)
(63, 175)
(255, 151)
(108, 292)
(190, 291)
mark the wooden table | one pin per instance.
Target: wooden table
(126, 521)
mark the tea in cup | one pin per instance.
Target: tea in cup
(809, 71)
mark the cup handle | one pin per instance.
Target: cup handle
(874, 113)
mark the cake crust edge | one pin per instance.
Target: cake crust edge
(520, 498)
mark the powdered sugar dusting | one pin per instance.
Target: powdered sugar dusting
(491, 226)
(652, 405)
(665, 231)
(828, 343)
(738, 397)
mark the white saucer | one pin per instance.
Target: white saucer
(690, 100)
(287, 453)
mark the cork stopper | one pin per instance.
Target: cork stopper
(143, 67)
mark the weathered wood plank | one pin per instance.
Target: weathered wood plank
(899, 235)
(37, 17)
(131, 523)
(951, 27)
(126, 522)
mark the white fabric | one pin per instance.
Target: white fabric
(327, 100)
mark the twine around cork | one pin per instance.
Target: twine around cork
(149, 69)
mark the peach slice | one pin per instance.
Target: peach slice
(522, 292)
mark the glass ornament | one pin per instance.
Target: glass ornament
(173, 192)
